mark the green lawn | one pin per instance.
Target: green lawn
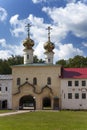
(5, 111)
(64, 120)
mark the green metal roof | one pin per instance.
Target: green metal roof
(37, 64)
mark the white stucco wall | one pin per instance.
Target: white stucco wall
(6, 81)
(73, 103)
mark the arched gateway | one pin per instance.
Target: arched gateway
(27, 102)
(46, 103)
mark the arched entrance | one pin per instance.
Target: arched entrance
(27, 102)
(4, 104)
(46, 103)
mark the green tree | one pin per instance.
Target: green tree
(62, 62)
(77, 61)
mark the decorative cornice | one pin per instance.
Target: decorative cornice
(34, 88)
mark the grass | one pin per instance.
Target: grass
(64, 120)
(5, 111)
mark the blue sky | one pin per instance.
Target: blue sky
(68, 19)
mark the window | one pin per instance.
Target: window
(48, 60)
(69, 83)
(69, 95)
(76, 95)
(64, 95)
(27, 56)
(34, 81)
(83, 95)
(76, 83)
(49, 81)
(6, 88)
(18, 81)
(83, 83)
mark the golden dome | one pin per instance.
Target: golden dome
(49, 46)
(28, 43)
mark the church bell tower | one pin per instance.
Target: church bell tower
(49, 46)
(28, 48)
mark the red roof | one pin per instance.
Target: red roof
(79, 73)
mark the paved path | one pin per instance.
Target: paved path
(13, 113)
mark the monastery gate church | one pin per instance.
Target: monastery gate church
(36, 85)
(43, 86)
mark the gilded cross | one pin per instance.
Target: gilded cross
(28, 29)
(49, 28)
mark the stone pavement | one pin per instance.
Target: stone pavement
(13, 113)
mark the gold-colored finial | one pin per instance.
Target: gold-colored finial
(28, 29)
(49, 28)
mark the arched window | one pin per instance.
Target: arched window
(18, 81)
(27, 56)
(49, 81)
(0, 89)
(34, 81)
(6, 88)
(46, 103)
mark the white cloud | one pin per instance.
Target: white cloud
(73, 17)
(2, 42)
(3, 14)
(18, 26)
(4, 54)
(67, 51)
(38, 1)
(84, 44)
(67, 1)
(6, 50)
(39, 51)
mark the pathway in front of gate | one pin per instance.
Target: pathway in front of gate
(13, 113)
(24, 111)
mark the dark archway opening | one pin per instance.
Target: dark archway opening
(46, 103)
(27, 102)
(56, 103)
(4, 104)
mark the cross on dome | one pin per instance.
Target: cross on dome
(28, 29)
(49, 29)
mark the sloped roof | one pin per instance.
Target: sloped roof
(4, 77)
(79, 73)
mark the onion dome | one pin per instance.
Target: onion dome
(28, 43)
(49, 46)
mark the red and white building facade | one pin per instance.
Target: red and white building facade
(74, 88)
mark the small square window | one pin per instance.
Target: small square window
(69, 95)
(76, 95)
(76, 83)
(69, 83)
(83, 95)
(83, 83)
